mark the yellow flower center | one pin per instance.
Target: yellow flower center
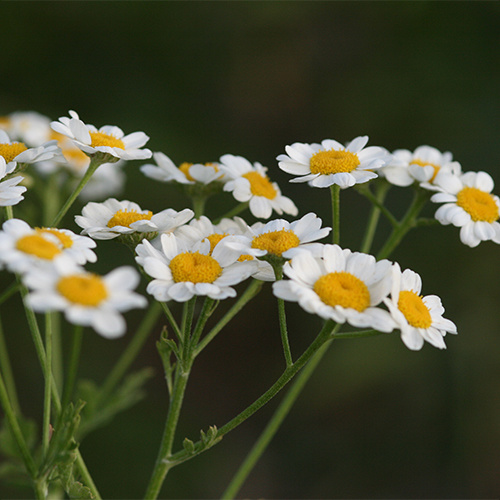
(414, 309)
(479, 205)
(343, 289)
(260, 185)
(84, 289)
(276, 242)
(195, 267)
(37, 245)
(10, 151)
(421, 163)
(126, 217)
(214, 239)
(76, 157)
(65, 240)
(101, 139)
(184, 168)
(333, 162)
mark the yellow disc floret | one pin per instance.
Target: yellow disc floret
(333, 162)
(195, 267)
(126, 217)
(260, 185)
(83, 289)
(184, 168)
(38, 246)
(214, 239)
(102, 139)
(276, 242)
(422, 163)
(343, 289)
(10, 151)
(414, 309)
(65, 240)
(479, 205)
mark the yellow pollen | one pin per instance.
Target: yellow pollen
(244, 257)
(101, 139)
(184, 168)
(414, 309)
(214, 239)
(479, 205)
(333, 162)
(10, 151)
(276, 242)
(421, 163)
(195, 267)
(37, 245)
(126, 217)
(260, 185)
(84, 289)
(65, 240)
(343, 289)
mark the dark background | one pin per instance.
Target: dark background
(208, 78)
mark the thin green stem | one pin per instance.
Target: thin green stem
(233, 212)
(9, 212)
(51, 198)
(206, 312)
(199, 206)
(335, 195)
(357, 334)
(48, 388)
(76, 345)
(278, 272)
(9, 292)
(187, 323)
(252, 290)
(57, 356)
(8, 374)
(171, 320)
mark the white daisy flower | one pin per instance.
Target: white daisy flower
(86, 298)
(419, 318)
(340, 285)
(23, 247)
(186, 173)
(10, 192)
(181, 272)
(13, 153)
(250, 183)
(108, 139)
(422, 166)
(328, 163)
(30, 127)
(469, 204)
(112, 218)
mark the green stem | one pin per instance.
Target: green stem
(51, 197)
(233, 212)
(206, 312)
(48, 387)
(335, 195)
(57, 362)
(95, 161)
(9, 212)
(8, 374)
(73, 366)
(7, 294)
(278, 272)
(171, 320)
(199, 206)
(252, 290)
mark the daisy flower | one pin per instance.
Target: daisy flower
(13, 153)
(22, 247)
(113, 218)
(10, 192)
(328, 163)
(469, 204)
(86, 298)
(250, 183)
(422, 166)
(186, 173)
(108, 139)
(419, 318)
(340, 285)
(30, 127)
(181, 272)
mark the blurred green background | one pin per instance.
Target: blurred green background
(207, 78)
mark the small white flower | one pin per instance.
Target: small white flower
(86, 298)
(250, 183)
(340, 285)
(186, 173)
(29, 127)
(181, 272)
(419, 318)
(328, 163)
(469, 204)
(13, 153)
(10, 192)
(108, 139)
(23, 247)
(422, 166)
(112, 218)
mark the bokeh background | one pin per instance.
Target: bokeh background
(208, 78)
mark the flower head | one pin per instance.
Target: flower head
(107, 140)
(10, 192)
(419, 318)
(86, 298)
(328, 163)
(339, 285)
(250, 183)
(469, 204)
(181, 272)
